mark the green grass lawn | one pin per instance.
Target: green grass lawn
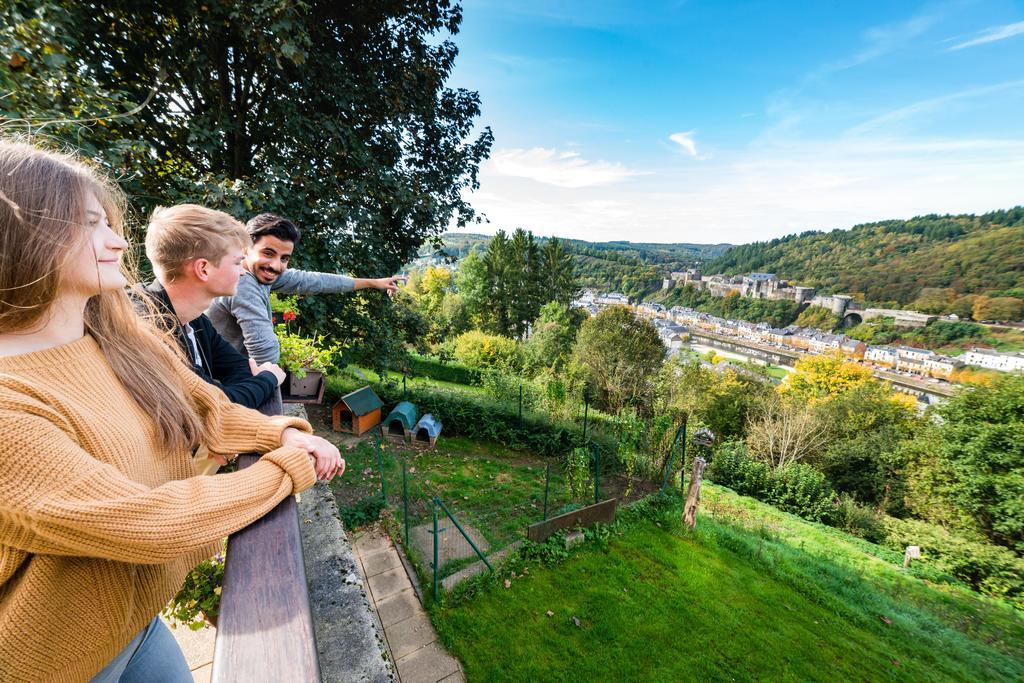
(753, 594)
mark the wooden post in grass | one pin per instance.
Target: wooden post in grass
(693, 492)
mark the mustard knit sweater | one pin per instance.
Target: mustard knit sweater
(99, 522)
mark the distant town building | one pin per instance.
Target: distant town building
(994, 360)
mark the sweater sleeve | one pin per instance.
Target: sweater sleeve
(249, 310)
(56, 498)
(231, 369)
(309, 282)
(231, 428)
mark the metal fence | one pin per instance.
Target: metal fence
(449, 536)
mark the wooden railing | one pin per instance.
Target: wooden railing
(265, 628)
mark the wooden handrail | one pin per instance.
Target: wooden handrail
(265, 627)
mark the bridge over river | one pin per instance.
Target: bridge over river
(925, 391)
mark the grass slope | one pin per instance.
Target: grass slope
(739, 599)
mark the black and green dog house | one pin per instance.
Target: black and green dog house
(401, 420)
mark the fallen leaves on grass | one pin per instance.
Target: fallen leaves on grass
(508, 583)
(550, 613)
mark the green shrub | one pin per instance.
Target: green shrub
(487, 351)
(798, 488)
(804, 491)
(362, 513)
(988, 568)
(858, 520)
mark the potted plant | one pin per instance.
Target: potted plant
(197, 604)
(305, 359)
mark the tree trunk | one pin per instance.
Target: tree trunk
(693, 492)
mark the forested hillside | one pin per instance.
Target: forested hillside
(634, 268)
(892, 261)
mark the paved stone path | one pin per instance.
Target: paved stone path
(418, 654)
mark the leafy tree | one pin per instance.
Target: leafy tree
(621, 354)
(472, 284)
(976, 462)
(550, 344)
(934, 300)
(722, 399)
(866, 426)
(818, 318)
(820, 377)
(998, 308)
(963, 306)
(334, 114)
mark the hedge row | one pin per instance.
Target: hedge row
(479, 417)
(432, 367)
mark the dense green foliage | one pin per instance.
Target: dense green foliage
(796, 488)
(734, 307)
(818, 318)
(449, 371)
(478, 349)
(620, 355)
(987, 568)
(505, 287)
(334, 114)
(976, 460)
(891, 261)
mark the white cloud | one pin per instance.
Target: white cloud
(879, 41)
(991, 35)
(552, 167)
(686, 141)
(769, 190)
(930, 105)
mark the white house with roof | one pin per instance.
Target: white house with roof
(881, 355)
(994, 360)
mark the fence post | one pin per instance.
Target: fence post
(547, 489)
(436, 568)
(380, 468)
(586, 409)
(405, 499)
(597, 473)
(437, 501)
(672, 456)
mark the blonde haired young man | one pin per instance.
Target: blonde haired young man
(197, 255)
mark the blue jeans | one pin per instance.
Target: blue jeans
(153, 656)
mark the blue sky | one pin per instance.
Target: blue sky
(712, 121)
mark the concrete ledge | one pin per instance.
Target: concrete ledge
(349, 637)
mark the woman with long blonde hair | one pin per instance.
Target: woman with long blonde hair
(101, 513)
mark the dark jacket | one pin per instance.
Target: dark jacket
(222, 366)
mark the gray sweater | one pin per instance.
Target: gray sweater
(244, 319)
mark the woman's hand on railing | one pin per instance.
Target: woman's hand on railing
(328, 461)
